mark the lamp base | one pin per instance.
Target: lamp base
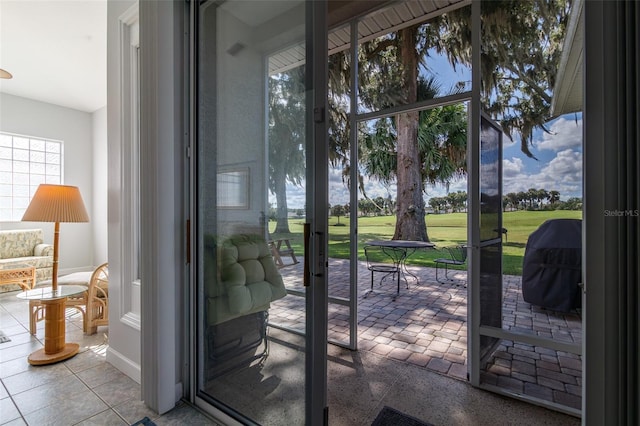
(55, 348)
(40, 357)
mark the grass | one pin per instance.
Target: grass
(443, 230)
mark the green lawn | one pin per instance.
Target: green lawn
(443, 230)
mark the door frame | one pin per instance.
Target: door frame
(163, 139)
(317, 300)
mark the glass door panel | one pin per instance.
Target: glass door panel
(517, 347)
(342, 280)
(524, 350)
(251, 190)
(490, 232)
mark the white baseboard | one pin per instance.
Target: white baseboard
(67, 271)
(124, 364)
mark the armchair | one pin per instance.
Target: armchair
(97, 307)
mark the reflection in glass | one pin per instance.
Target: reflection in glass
(251, 143)
(490, 233)
(490, 190)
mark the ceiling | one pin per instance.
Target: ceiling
(56, 51)
(377, 21)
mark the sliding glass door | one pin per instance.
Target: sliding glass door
(259, 242)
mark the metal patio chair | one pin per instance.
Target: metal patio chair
(457, 256)
(386, 260)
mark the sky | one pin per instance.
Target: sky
(558, 165)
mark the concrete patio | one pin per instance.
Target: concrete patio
(426, 326)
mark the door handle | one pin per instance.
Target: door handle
(306, 236)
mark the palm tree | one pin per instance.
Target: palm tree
(532, 193)
(434, 203)
(541, 195)
(439, 158)
(522, 198)
(461, 200)
(512, 197)
(553, 197)
(521, 49)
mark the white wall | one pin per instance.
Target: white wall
(75, 128)
(99, 203)
(240, 142)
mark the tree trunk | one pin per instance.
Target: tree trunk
(282, 211)
(410, 222)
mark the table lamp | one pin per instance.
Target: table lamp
(56, 203)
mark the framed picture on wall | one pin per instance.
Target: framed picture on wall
(233, 188)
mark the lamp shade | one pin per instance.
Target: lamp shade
(56, 203)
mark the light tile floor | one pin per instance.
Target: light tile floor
(83, 390)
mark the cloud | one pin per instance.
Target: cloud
(512, 168)
(565, 134)
(567, 164)
(563, 173)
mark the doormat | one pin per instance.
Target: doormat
(3, 337)
(391, 417)
(144, 422)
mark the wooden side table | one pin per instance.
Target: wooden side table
(18, 273)
(54, 302)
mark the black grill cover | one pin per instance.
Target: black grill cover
(552, 265)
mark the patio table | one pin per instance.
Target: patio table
(409, 247)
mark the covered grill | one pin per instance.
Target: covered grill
(552, 265)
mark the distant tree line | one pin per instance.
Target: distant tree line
(539, 199)
(532, 199)
(378, 206)
(452, 202)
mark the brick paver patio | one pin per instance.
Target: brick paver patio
(426, 325)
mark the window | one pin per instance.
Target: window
(25, 163)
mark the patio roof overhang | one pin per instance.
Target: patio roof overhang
(567, 92)
(388, 19)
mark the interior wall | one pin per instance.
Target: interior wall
(75, 129)
(240, 142)
(99, 202)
